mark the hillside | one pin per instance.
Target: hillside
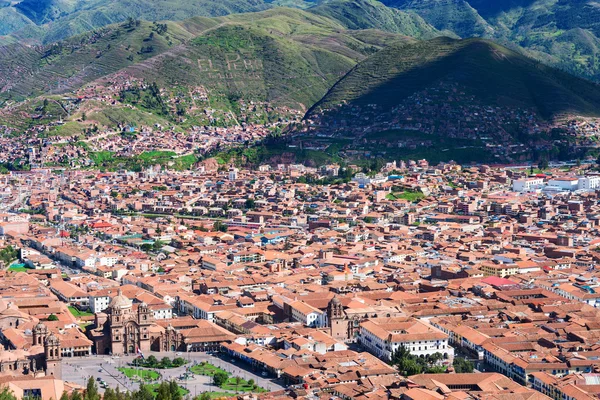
(442, 99)
(301, 54)
(47, 21)
(494, 74)
(560, 33)
(366, 14)
(207, 70)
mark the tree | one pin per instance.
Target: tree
(178, 362)
(203, 396)
(52, 317)
(461, 365)
(219, 378)
(219, 226)
(410, 367)
(152, 362)
(237, 381)
(75, 395)
(109, 394)
(174, 390)
(543, 163)
(250, 204)
(64, 396)
(91, 390)
(6, 394)
(163, 392)
(165, 362)
(438, 369)
(251, 382)
(144, 393)
(409, 364)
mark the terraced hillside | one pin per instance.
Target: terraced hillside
(275, 55)
(492, 73)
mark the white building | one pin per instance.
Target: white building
(527, 184)
(382, 337)
(233, 174)
(98, 303)
(589, 182)
(308, 315)
(565, 183)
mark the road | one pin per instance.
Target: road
(79, 369)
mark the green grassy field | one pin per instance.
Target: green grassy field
(18, 268)
(143, 374)
(154, 388)
(242, 387)
(206, 369)
(78, 313)
(409, 196)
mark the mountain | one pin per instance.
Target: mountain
(366, 14)
(47, 21)
(456, 16)
(493, 73)
(472, 98)
(281, 59)
(563, 33)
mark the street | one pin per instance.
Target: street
(79, 369)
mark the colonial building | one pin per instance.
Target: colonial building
(43, 357)
(123, 330)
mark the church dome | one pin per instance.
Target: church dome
(120, 301)
(52, 340)
(39, 327)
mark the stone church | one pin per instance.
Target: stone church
(123, 330)
(41, 358)
(126, 328)
(344, 316)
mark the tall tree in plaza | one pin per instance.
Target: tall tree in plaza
(91, 390)
(144, 393)
(75, 395)
(109, 394)
(6, 394)
(163, 392)
(174, 390)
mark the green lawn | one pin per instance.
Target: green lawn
(218, 395)
(409, 196)
(18, 268)
(242, 387)
(77, 313)
(154, 388)
(145, 374)
(210, 370)
(206, 369)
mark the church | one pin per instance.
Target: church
(123, 329)
(41, 357)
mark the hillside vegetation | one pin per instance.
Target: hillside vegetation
(493, 73)
(562, 33)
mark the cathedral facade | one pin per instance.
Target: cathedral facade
(123, 330)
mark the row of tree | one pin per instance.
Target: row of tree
(410, 364)
(164, 363)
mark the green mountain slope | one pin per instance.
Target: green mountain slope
(456, 16)
(562, 33)
(208, 69)
(490, 72)
(365, 14)
(48, 21)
